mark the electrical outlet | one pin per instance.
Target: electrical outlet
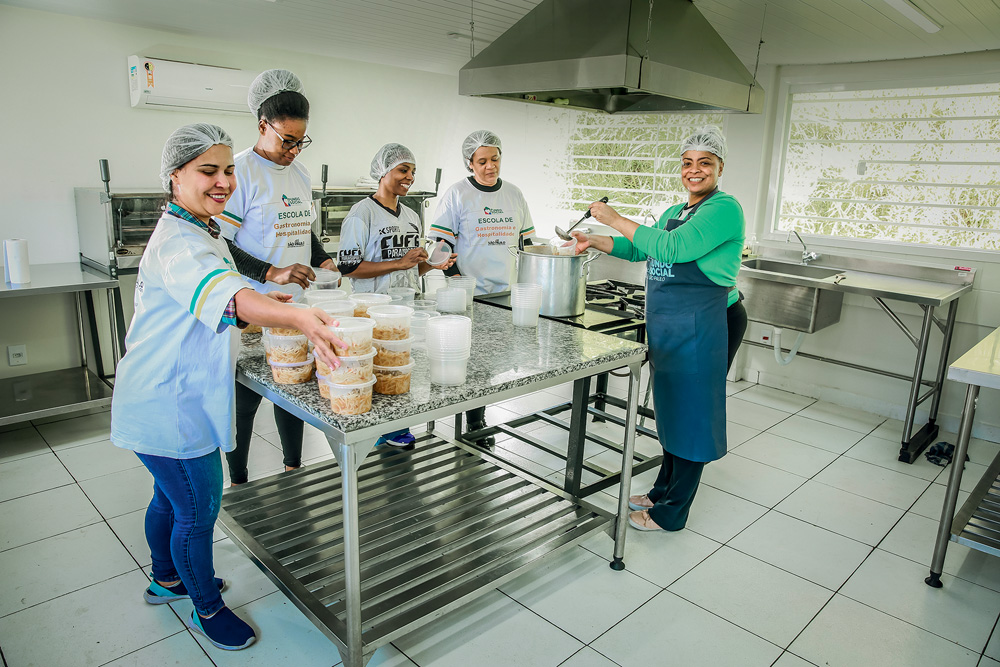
(17, 355)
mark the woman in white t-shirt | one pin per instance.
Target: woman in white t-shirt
(269, 221)
(481, 217)
(173, 398)
(380, 239)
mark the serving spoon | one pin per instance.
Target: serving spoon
(564, 235)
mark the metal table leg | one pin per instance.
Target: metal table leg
(942, 370)
(601, 391)
(577, 437)
(625, 487)
(349, 458)
(911, 446)
(954, 486)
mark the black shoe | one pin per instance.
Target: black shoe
(488, 442)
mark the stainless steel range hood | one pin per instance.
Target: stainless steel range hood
(617, 56)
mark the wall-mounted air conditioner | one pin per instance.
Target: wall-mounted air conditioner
(177, 86)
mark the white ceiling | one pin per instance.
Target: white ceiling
(414, 33)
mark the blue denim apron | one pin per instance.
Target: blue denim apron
(688, 344)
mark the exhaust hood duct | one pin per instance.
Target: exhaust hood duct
(616, 56)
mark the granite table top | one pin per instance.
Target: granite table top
(506, 361)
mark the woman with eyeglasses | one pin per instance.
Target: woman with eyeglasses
(270, 220)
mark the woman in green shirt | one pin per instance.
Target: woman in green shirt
(694, 322)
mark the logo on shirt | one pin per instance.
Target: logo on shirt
(657, 270)
(492, 211)
(290, 201)
(297, 243)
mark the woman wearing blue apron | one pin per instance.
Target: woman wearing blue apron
(694, 322)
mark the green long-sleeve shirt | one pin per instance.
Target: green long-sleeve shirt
(712, 238)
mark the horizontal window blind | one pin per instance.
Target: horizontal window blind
(910, 165)
(632, 160)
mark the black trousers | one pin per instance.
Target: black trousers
(677, 482)
(289, 430)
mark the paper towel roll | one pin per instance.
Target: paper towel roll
(15, 261)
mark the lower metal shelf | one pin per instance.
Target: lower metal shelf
(439, 525)
(977, 524)
(51, 393)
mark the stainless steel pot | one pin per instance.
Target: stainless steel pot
(563, 278)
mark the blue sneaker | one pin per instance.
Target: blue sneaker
(399, 439)
(157, 594)
(225, 629)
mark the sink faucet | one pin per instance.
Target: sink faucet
(807, 255)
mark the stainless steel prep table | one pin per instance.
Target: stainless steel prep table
(67, 390)
(372, 549)
(977, 525)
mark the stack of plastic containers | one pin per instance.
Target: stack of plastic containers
(451, 300)
(434, 281)
(418, 326)
(350, 385)
(525, 302)
(423, 304)
(449, 345)
(392, 342)
(468, 283)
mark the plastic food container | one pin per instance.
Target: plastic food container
(356, 332)
(326, 279)
(392, 352)
(438, 253)
(321, 380)
(338, 309)
(364, 300)
(561, 247)
(351, 399)
(391, 322)
(314, 297)
(393, 380)
(285, 349)
(452, 300)
(353, 370)
(293, 373)
(449, 370)
(404, 294)
(423, 304)
(286, 331)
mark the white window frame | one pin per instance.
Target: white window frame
(972, 68)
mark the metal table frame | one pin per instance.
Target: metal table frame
(72, 389)
(352, 447)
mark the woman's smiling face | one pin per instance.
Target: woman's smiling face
(204, 185)
(700, 173)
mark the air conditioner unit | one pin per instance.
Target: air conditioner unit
(177, 86)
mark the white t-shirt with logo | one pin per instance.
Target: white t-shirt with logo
(271, 213)
(482, 224)
(174, 391)
(372, 233)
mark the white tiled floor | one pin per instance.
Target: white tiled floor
(807, 545)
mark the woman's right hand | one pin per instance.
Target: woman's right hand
(582, 241)
(412, 258)
(300, 274)
(604, 214)
(315, 323)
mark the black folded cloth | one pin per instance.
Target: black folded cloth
(941, 453)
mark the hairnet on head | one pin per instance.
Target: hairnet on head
(388, 158)
(187, 143)
(268, 84)
(477, 140)
(708, 139)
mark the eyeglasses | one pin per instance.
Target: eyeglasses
(288, 144)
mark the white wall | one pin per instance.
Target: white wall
(69, 94)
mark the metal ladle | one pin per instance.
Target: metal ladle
(564, 235)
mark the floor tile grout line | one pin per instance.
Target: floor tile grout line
(86, 525)
(162, 639)
(75, 590)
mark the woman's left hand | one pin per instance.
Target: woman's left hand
(447, 264)
(604, 214)
(280, 297)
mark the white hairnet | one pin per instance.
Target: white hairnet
(709, 139)
(268, 84)
(185, 144)
(477, 140)
(388, 158)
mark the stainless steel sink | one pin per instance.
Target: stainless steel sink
(791, 296)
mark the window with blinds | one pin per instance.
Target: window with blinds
(634, 161)
(910, 165)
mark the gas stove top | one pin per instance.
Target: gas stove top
(613, 307)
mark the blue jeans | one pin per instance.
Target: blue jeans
(179, 524)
